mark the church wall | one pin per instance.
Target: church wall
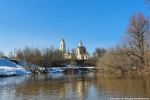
(79, 54)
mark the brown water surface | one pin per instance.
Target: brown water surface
(73, 87)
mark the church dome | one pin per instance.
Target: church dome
(82, 50)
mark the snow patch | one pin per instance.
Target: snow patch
(9, 68)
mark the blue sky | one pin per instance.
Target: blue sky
(42, 23)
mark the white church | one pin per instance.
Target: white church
(81, 52)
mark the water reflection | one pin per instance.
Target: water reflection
(8, 86)
(6, 81)
(72, 87)
(125, 86)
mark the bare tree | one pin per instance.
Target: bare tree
(36, 59)
(19, 54)
(99, 52)
(133, 53)
(137, 37)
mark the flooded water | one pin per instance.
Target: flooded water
(73, 87)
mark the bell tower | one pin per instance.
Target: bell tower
(63, 46)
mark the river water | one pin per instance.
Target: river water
(73, 87)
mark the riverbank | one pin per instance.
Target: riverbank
(129, 73)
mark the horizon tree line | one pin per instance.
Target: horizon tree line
(47, 57)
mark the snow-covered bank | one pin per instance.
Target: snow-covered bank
(9, 68)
